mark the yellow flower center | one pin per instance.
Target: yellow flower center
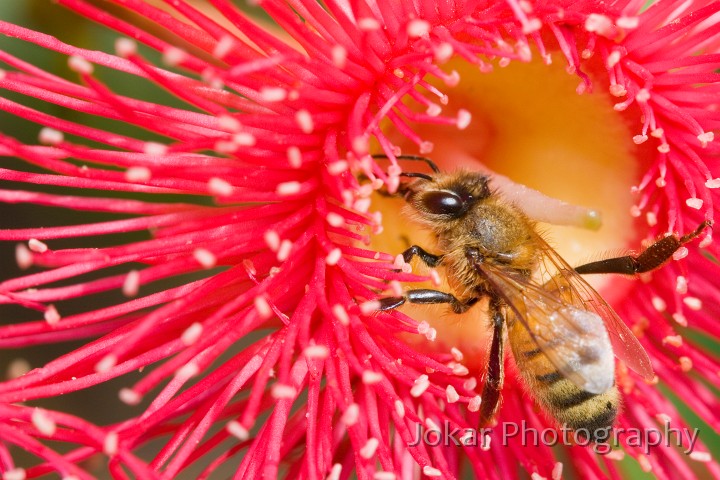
(529, 124)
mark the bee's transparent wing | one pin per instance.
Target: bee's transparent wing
(574, 340)
(570, 322)
(561, 278)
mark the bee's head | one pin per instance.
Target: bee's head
(439, 198)
(444, 197)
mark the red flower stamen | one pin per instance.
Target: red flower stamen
(269, 356)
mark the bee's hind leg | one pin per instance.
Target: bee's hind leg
(649, 259)
(426, 297)
(495, 374)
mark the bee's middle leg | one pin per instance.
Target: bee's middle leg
(426, 297)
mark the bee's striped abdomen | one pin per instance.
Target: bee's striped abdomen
(589, 414)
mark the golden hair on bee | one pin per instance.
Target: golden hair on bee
(563, 335)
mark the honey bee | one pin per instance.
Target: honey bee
(561, 332)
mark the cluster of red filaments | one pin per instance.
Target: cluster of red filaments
(278, 342)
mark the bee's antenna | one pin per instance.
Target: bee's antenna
(417, 175)
(430, 163)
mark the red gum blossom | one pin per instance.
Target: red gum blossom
(344, 81)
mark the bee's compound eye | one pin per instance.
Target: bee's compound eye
(443, 202)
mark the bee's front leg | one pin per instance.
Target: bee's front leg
(428, 258)
(426, 297)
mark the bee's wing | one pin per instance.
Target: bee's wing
(561, 278)
(573, 339)
(569, 321)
